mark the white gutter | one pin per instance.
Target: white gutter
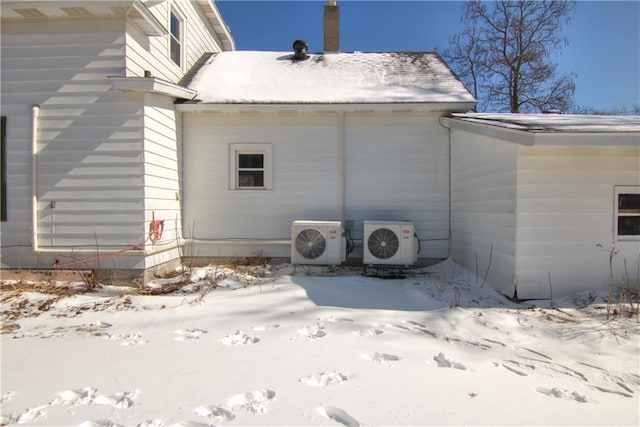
(35, 116)
(426, 107)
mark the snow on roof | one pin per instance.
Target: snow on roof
(555, 123)
(251, 77)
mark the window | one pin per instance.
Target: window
(3, 169)
(627, 219)
(176, 39)
(250, 167)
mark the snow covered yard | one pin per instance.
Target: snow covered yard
(279, 347)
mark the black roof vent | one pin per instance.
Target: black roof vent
(300, 48)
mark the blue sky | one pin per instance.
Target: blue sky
(603, 49)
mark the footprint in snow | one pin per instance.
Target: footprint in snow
(100, 423)
(128, 339)
(151, 423)
(89, 396)
(367, 332)
(441, 361)
(511, 368)
(214, 412)
(338, 415)
(239, 338)
(334, 319)
(380, 357)
(262, 328)
(607, 390)
(562, 394)
(6, 396)
(188, 334)
(30, 414)
(255, 401)
(322, 379)
(311, 332)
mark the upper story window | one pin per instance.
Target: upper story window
(627, 218)
(176, 38)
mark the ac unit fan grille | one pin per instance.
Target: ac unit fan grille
(310, 243)
(383, 243)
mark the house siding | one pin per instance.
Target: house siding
(483, 207)
(566, 210)
(397, 168)
(162, 176)
(89, 160)
(306, 176)
(151, 53)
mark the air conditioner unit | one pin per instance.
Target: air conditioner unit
(389, 243)
(317, 242)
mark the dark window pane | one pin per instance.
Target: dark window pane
(629, 203)
(251, 161)
(175, 26)
(250, 179)
(629, 225)
(175, 51)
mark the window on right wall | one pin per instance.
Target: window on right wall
(627, 213)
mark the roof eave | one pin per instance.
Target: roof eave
(427, 107)
(526, 136)
(151, 85)
(218, 24)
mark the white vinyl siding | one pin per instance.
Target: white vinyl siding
(162, 175)
(89, 161)
(483, 207)
(395, 167)
(566, 204)
(151, 53)
(304, 175)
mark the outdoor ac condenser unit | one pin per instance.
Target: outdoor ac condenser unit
(317, 242)
(389, 243)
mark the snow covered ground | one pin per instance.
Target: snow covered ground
(285, 347)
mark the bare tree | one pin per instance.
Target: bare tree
(503, 54)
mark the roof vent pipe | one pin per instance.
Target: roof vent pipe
(331, 27)
(300, 48)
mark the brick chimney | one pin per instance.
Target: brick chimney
(331, 27)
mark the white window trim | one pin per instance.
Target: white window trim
(183, 36)
(250, 148)
(623, 189)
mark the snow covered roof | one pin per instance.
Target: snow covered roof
(555, 123)
(251, 77)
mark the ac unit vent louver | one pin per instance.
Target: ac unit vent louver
(389, 243)
(317, 242)
(310, 243)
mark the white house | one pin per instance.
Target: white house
(339, 136)
(130, 126)
(540, 201)
(90, 154)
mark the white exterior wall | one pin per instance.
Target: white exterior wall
(483, 207)
(395, 167)
(565, 209)
(89, 159)
(152, 52)
(162, 176)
